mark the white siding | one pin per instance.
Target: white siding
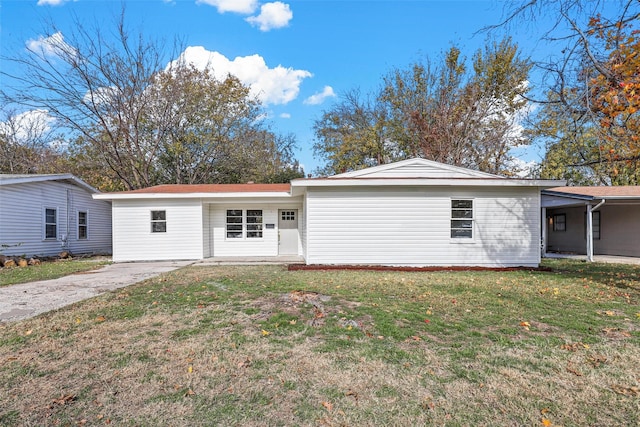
(206, 234)
(266, 246)
(22, 219)
(412, 227)
(419, 171)
(303, 228)
(134, 241)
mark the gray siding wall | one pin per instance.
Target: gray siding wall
(619, 231)
(22, 208)
(412, 227)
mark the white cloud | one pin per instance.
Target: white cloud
(278, 85)
(320, 97)
(25, 127)
(54, 45)
(236, 6)
(51, 2)
(522, 168)
(285, 116)
(272, 15)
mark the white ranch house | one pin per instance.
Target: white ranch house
(410, 213)
(42, 215)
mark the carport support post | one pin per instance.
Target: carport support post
(589, 232)
(543, 221)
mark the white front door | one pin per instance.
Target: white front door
(288, 231)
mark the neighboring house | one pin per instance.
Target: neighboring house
(614, 213)
(42, 215)
(413, 213)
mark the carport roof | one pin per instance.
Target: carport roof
(600, 192)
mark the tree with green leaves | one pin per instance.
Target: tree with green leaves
(132, 121)
(447, 112)
(589, 120)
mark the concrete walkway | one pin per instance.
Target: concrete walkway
(610, 259)
(18, 302)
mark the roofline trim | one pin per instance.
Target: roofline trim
(222, 195)
(586, 197)
(431, 182)
(50, 177)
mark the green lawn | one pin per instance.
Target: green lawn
(47, 270)
(259, 345)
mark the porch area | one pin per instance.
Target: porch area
(251, 260)
(609, 259)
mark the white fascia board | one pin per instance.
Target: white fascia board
(142, 196)
(429, 182)
(21, 179)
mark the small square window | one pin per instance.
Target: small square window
(288, 215)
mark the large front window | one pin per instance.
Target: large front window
(462, 219)
(244, 223)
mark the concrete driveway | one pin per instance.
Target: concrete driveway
(26, 300)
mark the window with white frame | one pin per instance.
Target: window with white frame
(158, 221)
(50, 223)
(254, 224)
(461, 219)
(244, 224)
(83, 225)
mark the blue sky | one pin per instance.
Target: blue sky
(298, 55)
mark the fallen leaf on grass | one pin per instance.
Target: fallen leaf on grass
(546, 422)
(525, 325)
(328, 406)
(100, 319)
(615, 333)
(597, 360)
(63, 400)
(245, 363)
(575, 346)
(573, 370)
(189, 392)
(29, 332)
(626, 391)
(352, 393)
(190, 369)
(265, 333)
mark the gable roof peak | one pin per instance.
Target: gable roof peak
(416, 167)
